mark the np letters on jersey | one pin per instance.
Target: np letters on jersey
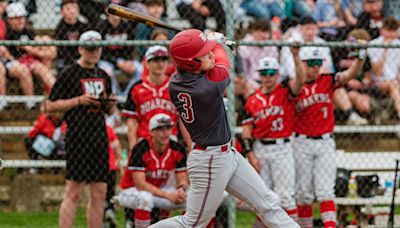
(94, 86)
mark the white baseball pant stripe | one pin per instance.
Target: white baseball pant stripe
(213, 171)
(278, 170)
(315, 161)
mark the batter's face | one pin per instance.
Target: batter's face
(207, 61)
(161, 135)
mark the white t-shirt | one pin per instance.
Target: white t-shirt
(286, 57)
(392, 64)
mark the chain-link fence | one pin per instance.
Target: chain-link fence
(321, 128)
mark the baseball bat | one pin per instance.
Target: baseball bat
(391, 215)
(133, 15)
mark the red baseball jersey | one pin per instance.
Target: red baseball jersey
(157, 167)
(112, 136)
(272, 114)
(314, 107)
(145, 100)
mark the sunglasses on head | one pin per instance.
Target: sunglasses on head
(314, 62)
(268, 72)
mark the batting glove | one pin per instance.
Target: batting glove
(216, 36)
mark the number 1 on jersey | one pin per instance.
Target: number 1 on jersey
(324, 111)
(188, 115)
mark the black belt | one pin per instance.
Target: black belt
(274, 141)
(324, 136)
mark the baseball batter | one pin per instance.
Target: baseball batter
(269, 119)
(314, 147)
(213, 165)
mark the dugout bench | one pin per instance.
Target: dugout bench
(365, 210)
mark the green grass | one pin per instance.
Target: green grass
(50, 219)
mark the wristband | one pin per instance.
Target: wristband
(247, 146)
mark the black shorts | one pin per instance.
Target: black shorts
(90, 165)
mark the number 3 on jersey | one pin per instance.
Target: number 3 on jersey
(188, 115)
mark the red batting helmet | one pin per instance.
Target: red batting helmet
(187, 45)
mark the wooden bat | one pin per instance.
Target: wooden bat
(133, 15)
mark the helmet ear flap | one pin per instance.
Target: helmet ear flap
(188, 64)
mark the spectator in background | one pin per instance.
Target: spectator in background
(329, 19)
(359, 88)
(114, 152)
(371, 18)
(197, 11)
(391, 8)
(118, 57)
(351, 10)
(30, 56)
(69, 28)
(83, 92)
(12, 68)
(385, 62)
(260, 30)
(307, 32)
(156, 9)
(263, 10)
(137, 5)
(92, 10)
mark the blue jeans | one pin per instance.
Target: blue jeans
(299, 8)
(263, 11)
(110, 69)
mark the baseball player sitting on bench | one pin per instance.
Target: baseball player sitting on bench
(268, 119)
(152, 161)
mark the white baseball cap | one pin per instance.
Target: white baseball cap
(268, 63)
(160, 120)
(156, 51)
(16, 9)
(90, 35)
(308, 53)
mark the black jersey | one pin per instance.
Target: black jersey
(66, 31)
(88, 122)
(199, 100)
(24, 35)
(123, 32)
